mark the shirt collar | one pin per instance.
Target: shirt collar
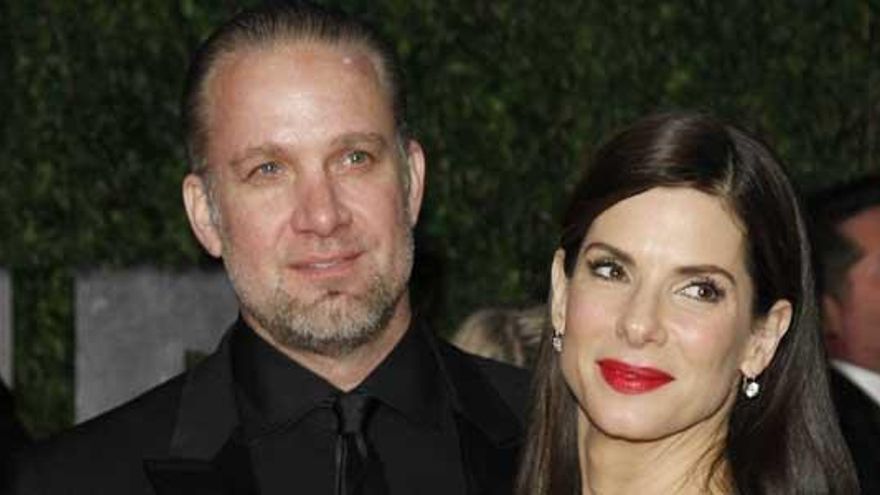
(867, 380)
(409, 380)
(274, 390)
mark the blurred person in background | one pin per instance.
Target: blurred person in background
(508, 335)
(847, 237)
(686, 355)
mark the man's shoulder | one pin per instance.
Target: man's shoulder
(859, 418)
(12, 435)
(146, 418)
(848, 396)
(502, 375)
(108, 447)
(510, 382)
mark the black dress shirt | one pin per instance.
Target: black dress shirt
(289, 428)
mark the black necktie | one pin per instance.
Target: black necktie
(358, 471)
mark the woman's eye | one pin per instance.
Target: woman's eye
(355, 158)
(608, 270)
(703, 291)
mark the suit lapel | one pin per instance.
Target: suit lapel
(489, 432)
(206, 456)
(489, 467)
(227, 473)
(184, 477)
(207, 415)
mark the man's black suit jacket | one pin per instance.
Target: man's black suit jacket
(12, 435)
(179, 437)
(860, 423)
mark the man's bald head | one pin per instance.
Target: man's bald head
(272, 26)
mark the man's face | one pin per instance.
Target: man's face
(855, 320)
(307, 203)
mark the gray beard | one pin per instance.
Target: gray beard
(335, 324)
(328, 326)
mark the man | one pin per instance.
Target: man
(848, 248)
(306, 184)
(12, 435)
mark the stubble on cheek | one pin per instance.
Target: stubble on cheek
(326, 320)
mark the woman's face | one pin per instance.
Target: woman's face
(657, 317)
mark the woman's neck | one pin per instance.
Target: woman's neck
(682, 463)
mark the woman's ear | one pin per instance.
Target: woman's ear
(558, 292)
(764, 340)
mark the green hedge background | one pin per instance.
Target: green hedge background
(506, 96)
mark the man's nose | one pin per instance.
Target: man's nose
(640, 323)
(319, 208)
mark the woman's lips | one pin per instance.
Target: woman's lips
(629, 379)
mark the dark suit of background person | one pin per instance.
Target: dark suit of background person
(12, 435)
(847, 232)
(308, 189)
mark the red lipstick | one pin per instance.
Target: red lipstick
(629, 379)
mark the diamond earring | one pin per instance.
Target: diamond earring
(750, 387)
(556, 340)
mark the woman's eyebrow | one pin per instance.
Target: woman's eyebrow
(704, 269)
(616, 252)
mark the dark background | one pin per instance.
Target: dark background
(506, 96)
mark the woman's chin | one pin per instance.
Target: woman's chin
(627, 425)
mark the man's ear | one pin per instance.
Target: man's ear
(832, 323)
(558, 292)
(415, 158)
(198, 210)
(766, 335)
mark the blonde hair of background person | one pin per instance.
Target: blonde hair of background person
(505, 334)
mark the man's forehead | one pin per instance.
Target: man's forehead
(306, 53)
(360, 60)
(295, 56)
(271, 92)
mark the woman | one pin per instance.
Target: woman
(685, 355)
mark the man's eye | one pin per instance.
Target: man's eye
(355, 158)
(268, 168)
(707, 291)
(607, 270)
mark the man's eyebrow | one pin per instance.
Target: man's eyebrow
(267, 149)
(348, 139)
(354, 138)
(617, 253)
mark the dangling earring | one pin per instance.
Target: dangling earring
(556, 340)
(750, 387)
